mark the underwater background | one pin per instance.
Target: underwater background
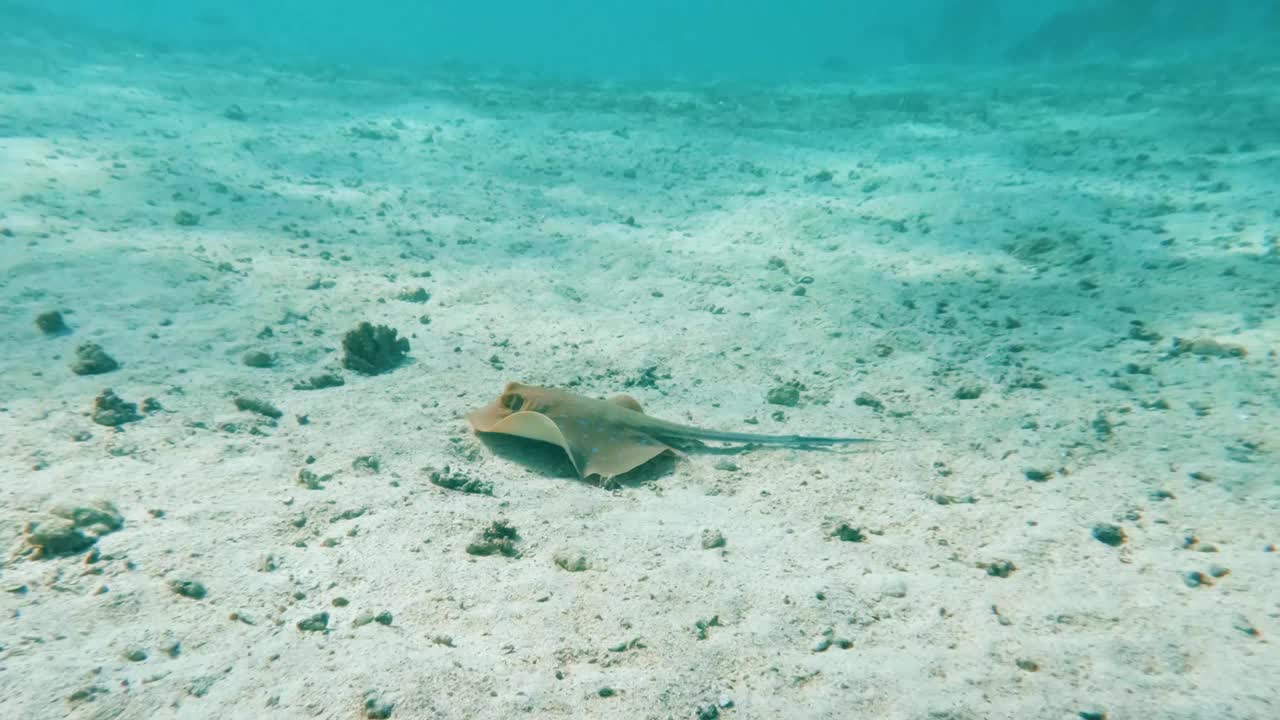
(267, 269)
(666, 38)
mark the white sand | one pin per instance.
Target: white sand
(994, 231)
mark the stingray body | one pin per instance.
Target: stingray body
(605, 437)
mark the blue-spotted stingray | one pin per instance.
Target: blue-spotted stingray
(606, 437)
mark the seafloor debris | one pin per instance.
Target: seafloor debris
(320, 382)
(1109, 534)
(787, 394)
(373, 350)
(91, 359)
(1206, 347)
(258, 359)
(261, 407)
(500, 538)
(72, 529)
(316, 623)
(188, 588)
(110, 410)
(419, 295)
(451, 480)
(51, 323)
(571, 561)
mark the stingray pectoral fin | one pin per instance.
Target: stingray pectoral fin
(532, 425)
(625, 452)
(535, 426)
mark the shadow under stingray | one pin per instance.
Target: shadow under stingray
(550, 460)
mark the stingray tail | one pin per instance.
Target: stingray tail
(797, 440)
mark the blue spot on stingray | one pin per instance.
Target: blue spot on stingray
(595, 450)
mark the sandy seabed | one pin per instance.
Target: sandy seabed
(1050, 293)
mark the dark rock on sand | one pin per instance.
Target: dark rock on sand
(51, 323)
(72, 529)
(91, 359)
(373, 350)
(110, 410)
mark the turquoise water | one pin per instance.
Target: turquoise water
(748, 38)
(267, 271)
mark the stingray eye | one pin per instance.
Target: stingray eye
(513, 402)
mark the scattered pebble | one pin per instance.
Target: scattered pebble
(828, 639)
(367, 463)
(258, 359)
(953, 499)
(451, 480)
(72, 529)
(88, 694)
(1001, 568)
(712, 539)
(260, 407)
(869, 400)
(571, 561)
(632, 644)
(188, 589)
(1138, 330)
(706, 712)
(500, 538)
(894, 588)
(51, 323)
(1028, 665)
(1035, 475)
(134, 654)
(91, 359)
(1109, 534)
(414, 296)
(110, 410)
(1195, 578)
(702, 627)
(200, 686)
(375, 708)
(316, 623)
(1206, 347)
(787, 394)
(823, 642)
(312, 481)
(968, 392)
(186, 218)
(848, 533)
(320, 382)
